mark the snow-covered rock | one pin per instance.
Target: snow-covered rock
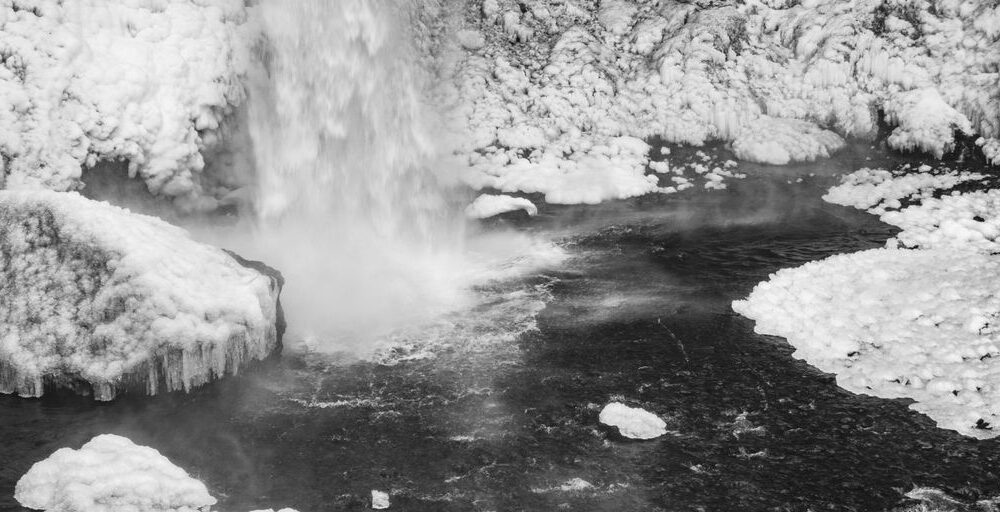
(102, 300)
(632, 422)
(488, 205)
(110, 474)
(150, 82)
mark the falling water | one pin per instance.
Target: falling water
(350, 201)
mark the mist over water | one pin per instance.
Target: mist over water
(350, 201)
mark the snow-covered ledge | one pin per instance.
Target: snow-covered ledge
(101, 300)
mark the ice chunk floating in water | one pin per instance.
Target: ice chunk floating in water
(632, 422)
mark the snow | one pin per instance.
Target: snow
(151, 82)
(914, 320)
(895, 323)
(380, 500)
(774, 141)
(487, 205)
(110, 474)
(97, 297)
(632, 422)
(782, 81)
(877, 190)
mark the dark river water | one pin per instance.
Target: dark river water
(639, 312)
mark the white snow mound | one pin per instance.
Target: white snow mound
(110, 474)
(487, 205)
(918, 324)
(97, 297)
(632, 422)
(768, 140)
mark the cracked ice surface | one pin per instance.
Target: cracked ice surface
(95, 296)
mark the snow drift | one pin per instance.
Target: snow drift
(101, 300)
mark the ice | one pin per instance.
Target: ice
(380, 500)
(782, 81)
(150, 82)
(632, 422)
(877, 190)
(488, 205)
(110, 474)
(896, 323)
(914, 320)
(102, 300)
(781, 141)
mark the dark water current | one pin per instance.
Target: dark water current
(482, 421)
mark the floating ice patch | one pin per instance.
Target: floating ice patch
(380, 500)
(487, 205)
(632, 422)
(896, 324)
(878, 190)
(110, 474)
(99, 299)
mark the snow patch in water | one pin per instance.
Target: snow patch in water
(632, 422)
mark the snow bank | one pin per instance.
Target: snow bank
(781, 141)
(146, 81)
(896, 324)
(110, 474)
(488, 205)
(99, 299)
(784, 81)
(632, 422)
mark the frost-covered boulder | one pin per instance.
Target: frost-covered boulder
(101, 300)
(781, 141)
(632, 422)
(110, 474)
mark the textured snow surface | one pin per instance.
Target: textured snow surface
(896, 323)
(110, 474)
(149, 81)
(632, 422)
(488, 205)
(914, 320)
(878, 190)
(555, 84)
(95, 294)
(781, 141)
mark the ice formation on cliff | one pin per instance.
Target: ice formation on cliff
(917, 319)
(97, 297)
(554, 85)
(148, 81)
(112, 474)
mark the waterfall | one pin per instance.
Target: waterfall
(349, 202)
